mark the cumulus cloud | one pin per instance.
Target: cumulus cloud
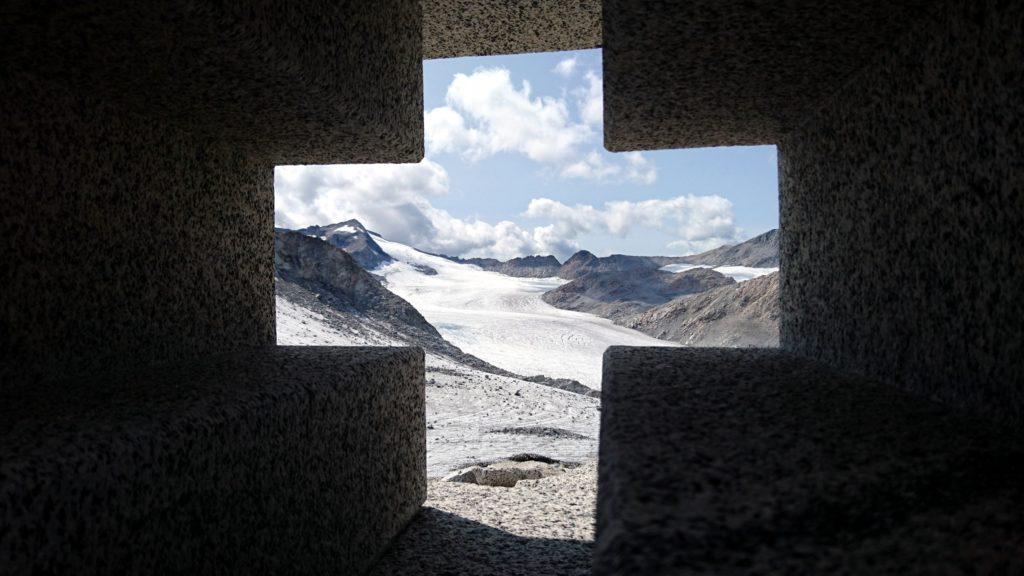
(394, 200)
(639, 168)
(565, 67)
(486, 113)
(699, 222)
(594, 166)
(591, 167)
(591, 100)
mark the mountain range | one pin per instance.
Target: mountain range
(333, 266)
(761, 251)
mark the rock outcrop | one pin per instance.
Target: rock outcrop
(506, 473)
(617, 295)
(761, 251)
(524, 267)
(584, 262)
(327, 280)
(352, 237)
(743, 314)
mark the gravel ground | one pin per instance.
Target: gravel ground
(536, 528)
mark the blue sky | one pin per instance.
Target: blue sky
(515, 165)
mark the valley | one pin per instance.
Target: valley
(513, 359)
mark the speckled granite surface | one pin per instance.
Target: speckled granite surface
(713, 73)
(276, 461)
(125, 241)
(315, 82)
(137, 148)
(902, 211)
(474, 28)
(728, 461)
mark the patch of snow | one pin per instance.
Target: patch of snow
(738, 273)
(343, 230)
(502, 319)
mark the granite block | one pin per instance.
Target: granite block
(732, 461)
(279, 460)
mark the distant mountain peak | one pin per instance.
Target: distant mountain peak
(584, 255)
(352, 237)
(761, 251)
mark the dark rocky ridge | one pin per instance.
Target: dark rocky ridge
(617, 295)
(327, 280)
(584, 262)
(761, 251)
(352, 237)
(522, 267)
(740, 314)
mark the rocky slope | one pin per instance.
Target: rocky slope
(761, 251)
(524, 267)
(352, 237)
(584, 262)
(743, 314)
(328, 281)
(320, 279)
(617, 295)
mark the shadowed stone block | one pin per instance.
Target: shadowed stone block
(316, 82)
(278, 460)
(137, 146)
(473, 28)
(742, 461)
(714, 73)
(902, 216)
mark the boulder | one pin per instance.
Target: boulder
(505, 473)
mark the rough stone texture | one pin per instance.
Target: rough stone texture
(137, 147)
(902, 206)
(280, 460)
(723, 461)
(712, 73)
(505, 473)
(124, 241)
(540, 527)
(474, 28)
(318, 82)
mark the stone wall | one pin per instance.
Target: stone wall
(125, 241)
(281, 460)
(137, 147)
(902, 215)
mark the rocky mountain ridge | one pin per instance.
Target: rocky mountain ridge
(352, 237)
(738, 314)
(761, 251)
(616, 295)
(698, 306)
(522, 267)
(326, 280)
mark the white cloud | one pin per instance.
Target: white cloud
(565, 67)
(639, 168)
(393, 200)
(486, 114)
(700, 222)
(594, 166)
(591, 100)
